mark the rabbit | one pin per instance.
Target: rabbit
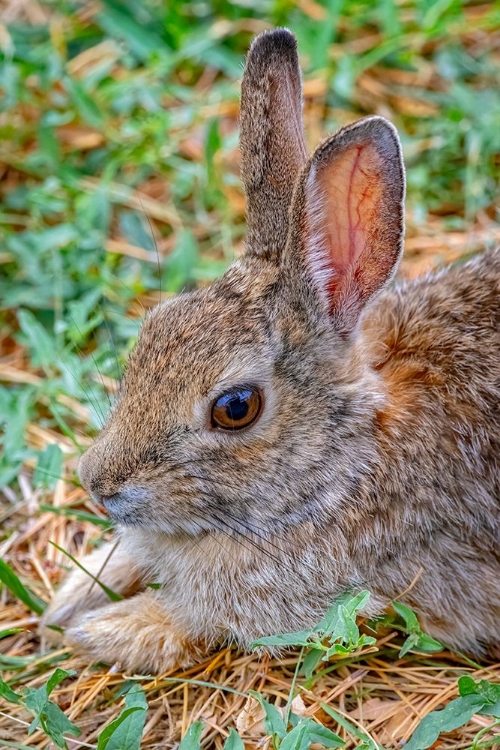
(300, 427)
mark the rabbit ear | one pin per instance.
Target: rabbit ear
(272, 144)
(348, 217)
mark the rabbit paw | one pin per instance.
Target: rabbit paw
(136, 634)
(81, 593)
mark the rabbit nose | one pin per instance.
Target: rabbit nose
(102, 499)
(106, 502)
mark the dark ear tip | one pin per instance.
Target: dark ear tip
(378, 124)
(279, 41)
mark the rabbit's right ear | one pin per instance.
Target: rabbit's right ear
(272, 143)
(348, 219)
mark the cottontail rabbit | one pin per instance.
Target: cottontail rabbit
(297, 429)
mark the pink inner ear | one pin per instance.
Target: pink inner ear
(346, 213)
(345, 238)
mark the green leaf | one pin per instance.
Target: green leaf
(234, 741)
(410, 643)
(49, 466)
(191, 739)
(8, 694)
(41, 345)
(47, 714)
(112, 595)
(285, 640)
(488, 690)
(125, 732)
(10, 631)
(84, 103)
(353, 604)
(55, 724)
(57, 677)
(10, 579)
(428, 644)
(417, 639)
(322, 735)
(273, 720)
(367, 741)
(409, 617)
(311, 660)
(107, 733)
(457, 713)
(297, 739)
(78, 515)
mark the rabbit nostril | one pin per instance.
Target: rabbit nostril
(103, 501)
(106, 498)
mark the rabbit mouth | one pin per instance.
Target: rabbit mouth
(132, 506)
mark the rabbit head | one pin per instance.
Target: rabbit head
(248, 405)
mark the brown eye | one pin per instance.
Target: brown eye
(236, 409)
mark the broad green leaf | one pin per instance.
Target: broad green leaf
(125, 732)
(297, 739)
(10, 579)
(191, 740)
(107, 733)
(85, 105)
(410, 643)
(234, 741)
(428, 644)
(55, 724)
(57, 677)
(273, 720)
(301, 638)
(322, 735)
(490, 691)
(8, 694)
(409, 617)
(41, 344)
(417, 639)
(47, 714)
(311, 660)
(457, 713)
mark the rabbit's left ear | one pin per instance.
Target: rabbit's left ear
(272, 144)
(348, 218)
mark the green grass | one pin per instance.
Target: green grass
(98, 107)
(118, 137)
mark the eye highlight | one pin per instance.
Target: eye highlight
(236, 409)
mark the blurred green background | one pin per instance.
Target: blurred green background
(119, 174)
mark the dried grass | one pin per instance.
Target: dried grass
(377, 690)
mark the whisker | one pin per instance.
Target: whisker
(250, 527)
(154, 240)
(91, 398)
(110, 335)
(92, 357)
(237, 535)
(53, 475)
(117, 278)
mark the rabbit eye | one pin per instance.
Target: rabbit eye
(236, 409)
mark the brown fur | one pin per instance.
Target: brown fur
(375, 461)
